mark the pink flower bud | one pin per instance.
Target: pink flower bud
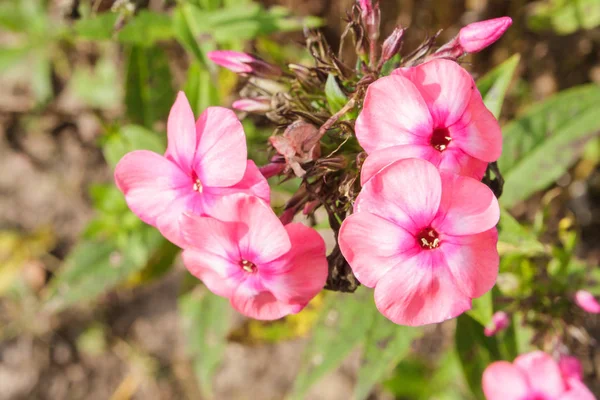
(288, 216)
(587, 302)
(272, 169)
(570, 367)
(253, 105)
(244, 63)
(371, 16)
(479, 35)
(310, 207)
(500, 321)
(392, 45)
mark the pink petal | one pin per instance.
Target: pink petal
(253, 183)
(299, 275)
(406, 192)
(266, 238)
(381, 158)
(420, 291)
(181, 134)
(473, 261)
(577, 391)
(500, 321)
(504, 381)
(168, 221)
(542, 373)
(570, 367)
(453, 159)
(235, 61)
(373, 246)
(263, 306)
(467, 206)
(587, 301)
(393, 113)
(445, 86)
(212, 270)
(221, 153)
(150, 183)
(478, 132)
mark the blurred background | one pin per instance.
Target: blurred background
(96, 305)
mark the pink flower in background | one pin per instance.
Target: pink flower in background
(500, 321)
(244, 63)
(245, 254)
(479, 35)
(532, 376)
(424, 239)
(570, 368)
(255, 105)
(432, 111)
(204, 161)
(587, 301)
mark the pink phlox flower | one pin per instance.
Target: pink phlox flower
(424, 239)
(432, 111)
(244, 63)
(570, 368)
(479, 35)
(244, 253)
(204, 161)
(532, 376)
(587, 301)
(500, 321)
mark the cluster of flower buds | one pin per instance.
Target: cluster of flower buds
(393, 149)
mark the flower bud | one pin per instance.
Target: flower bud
(570, 368)
(392, 45)
(371, 16)
(288, 216)
(500, 321)
(587, 302)
(272, 169)
(254, 105)
(479, 35)
(244, 63)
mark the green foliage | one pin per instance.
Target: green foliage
(127, 138)
(146, 29)
(543, 143)
(336, 99)
(494, 84)
(564, 16)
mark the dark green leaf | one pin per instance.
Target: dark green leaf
(494, 84)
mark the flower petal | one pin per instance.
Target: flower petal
(393, 113)
(299, 275)
(420, 291)
(445, 86)
(406, 192)
(253, 183)
(467, 206)
(150, 183)
(212, 270)
(181, 133)
(455, 160)
(577, 391)
(263, 306)
(587, 302)
(381, 158)
(221, 153)
(504, 381)
(477, 132)
(542, 373)
(373, 246)
(473, 261)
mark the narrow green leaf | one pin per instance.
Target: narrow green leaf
(542, 144)
(342, 325)
(336, 99)
(206, 320)
(483, 309)
(385, 345)
(515, 238)
(475, 350)
(494, 84)
(200, 88)
(187, 32)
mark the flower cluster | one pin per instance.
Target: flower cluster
(536, 376)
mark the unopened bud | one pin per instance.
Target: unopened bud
(479, 35)
(272, 169)
(257, 105)
(392, 45)
(587, 302)
(570, 368)
(310, 207)
(288, 216)
(500, 321)
(371, 16)
(244, 63)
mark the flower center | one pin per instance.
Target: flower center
(248, 266)
(197, 184)
(440, 139)
(428, 239)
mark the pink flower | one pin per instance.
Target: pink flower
(432, 111)
(204, 161)
(570, 368)
(245, 254)
(255, 105)
(244, 63)
(479, 35)
(500, 321)
(587, 302)
(424, 239)
(531, 376)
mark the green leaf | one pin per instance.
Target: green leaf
(565, 16)
(514, 238)
(129, 138)
(336, 99)
(146, 29)
(494, 84)
(200, 88)
(187, 32)
(342, 325)
(385, 345)
(542, 144)
(98, 27)
(483, 309)
(206, 320)
(97, 87)
(475, 350)
(148, 90)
